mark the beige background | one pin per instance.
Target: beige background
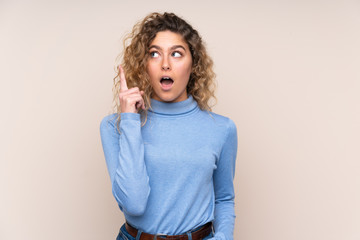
(288, 75)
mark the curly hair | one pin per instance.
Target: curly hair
(201, 84)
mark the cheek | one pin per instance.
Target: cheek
(185, 69)
(149, 69)
(150, 72)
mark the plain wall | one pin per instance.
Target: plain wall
(288, 74)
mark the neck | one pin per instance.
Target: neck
(176, 108)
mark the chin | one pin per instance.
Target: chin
(169, 96)
(168, 99)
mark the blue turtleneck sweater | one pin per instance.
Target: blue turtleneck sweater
(176, 172)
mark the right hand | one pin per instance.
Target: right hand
(130, 99)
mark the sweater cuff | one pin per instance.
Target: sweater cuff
(219, 236)
(130, 116)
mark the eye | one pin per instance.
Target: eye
(176, 54)
(154, 54)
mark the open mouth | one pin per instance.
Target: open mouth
(166, 82)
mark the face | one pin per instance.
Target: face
(169, 67)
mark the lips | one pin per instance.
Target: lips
(166, 82)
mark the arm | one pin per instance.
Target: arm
(124, 155)
(124, 152)
(224, 187)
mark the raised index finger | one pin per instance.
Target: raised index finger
(123, 85)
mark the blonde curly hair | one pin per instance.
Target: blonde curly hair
(201, 84)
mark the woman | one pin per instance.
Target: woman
(171, 160)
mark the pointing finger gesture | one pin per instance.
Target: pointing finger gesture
(130, 99)
(123, 85)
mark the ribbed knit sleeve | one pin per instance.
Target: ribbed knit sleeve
(124, 154)
(224, 188)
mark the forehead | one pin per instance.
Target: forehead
(166, 39)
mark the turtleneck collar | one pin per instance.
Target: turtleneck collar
(175, 108)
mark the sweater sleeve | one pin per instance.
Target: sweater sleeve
(224, 188)
(124, 155)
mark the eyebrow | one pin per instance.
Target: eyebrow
(172, 48)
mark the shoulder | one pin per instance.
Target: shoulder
(108, 122)
(219, 121)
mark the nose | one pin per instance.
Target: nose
(165, 65)
(165, 68)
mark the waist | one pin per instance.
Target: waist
(197, 234)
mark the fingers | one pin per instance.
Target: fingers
(131, 90)
(123, 85)
(132, 103)
(131, 100)
(141, 104)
